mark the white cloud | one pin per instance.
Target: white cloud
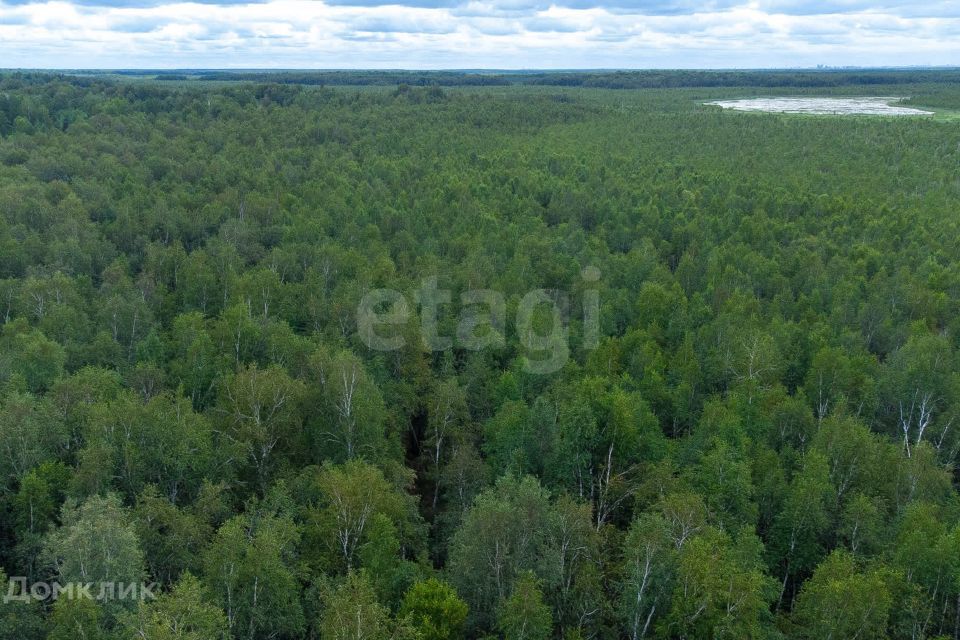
(474, 33)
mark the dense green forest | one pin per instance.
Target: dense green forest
(760, 442)
(649, 79)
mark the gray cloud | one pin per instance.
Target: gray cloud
(140, 24)
(942, 8)
(550, 25)
(903, 8)
(400, 24)
(131, 4)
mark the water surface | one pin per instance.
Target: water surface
(824, 106)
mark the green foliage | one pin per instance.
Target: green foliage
(353, 513)
(261, 409)
(31, 432)
(759, 441)
(524, 615)
(843, 601)
(21, 620)
(35, 511)
(352, 612)
(720, 589)
(250, 568)
(434, 610)
(161, 442)
(505, 524)
(649, 557)
(351, 421)
(185, 613)
(76, 618)
(800, 527)
(39, 360)
(172, 537)
(96, 543)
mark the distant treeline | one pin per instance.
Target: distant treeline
(649, 79)
(591, 79)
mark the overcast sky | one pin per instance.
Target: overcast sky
(502, 34)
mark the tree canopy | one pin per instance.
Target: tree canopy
(751, 430)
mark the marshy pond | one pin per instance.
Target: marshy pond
(824, 106)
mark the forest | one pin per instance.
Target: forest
(752, 433)
(648, 79)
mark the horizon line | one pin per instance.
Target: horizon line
(818, 68)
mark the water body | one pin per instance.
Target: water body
(824, 106)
